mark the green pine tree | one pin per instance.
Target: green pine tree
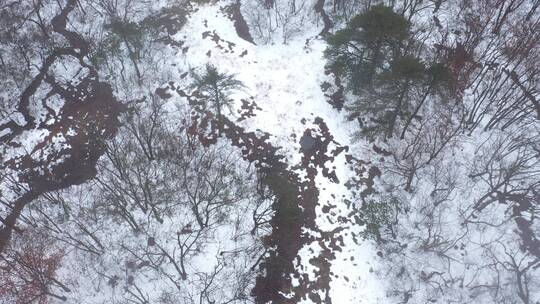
(373, 53)
(217, 87)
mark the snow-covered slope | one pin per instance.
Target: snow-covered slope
(124, 180)
(285, 82)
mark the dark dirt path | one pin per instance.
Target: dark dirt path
(89, 117)
(294, 204)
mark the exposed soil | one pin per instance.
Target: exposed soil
(240, 25)
(335, 96)
(168, 21)
(530, 242)
(89, 117)
(328, 24)
(171, 20)
(219, 42)
(522, 204)
(294, 204)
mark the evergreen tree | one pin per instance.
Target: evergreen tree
(369, 42)
(373, 54)
(217, 87)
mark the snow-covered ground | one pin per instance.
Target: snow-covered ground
(285, 83)
(134, 230)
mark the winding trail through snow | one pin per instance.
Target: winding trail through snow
(315, 228)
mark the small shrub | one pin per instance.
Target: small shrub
(378, 215)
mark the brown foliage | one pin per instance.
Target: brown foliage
(27, 269)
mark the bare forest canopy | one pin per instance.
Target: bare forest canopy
(269, 151)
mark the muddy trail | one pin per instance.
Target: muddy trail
(88, 117)
(296, 196)
(293, 206)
